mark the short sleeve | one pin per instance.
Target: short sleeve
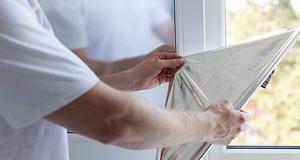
(38, 74)
(67, 19)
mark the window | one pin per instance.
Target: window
(275, 110)
(242, 19)
(274, 131)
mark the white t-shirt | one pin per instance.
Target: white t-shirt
(38, 76)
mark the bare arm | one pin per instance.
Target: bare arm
(159, 67)
(103, 67)
(114, 117)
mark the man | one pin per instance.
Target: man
(45, 88)
(111, 36)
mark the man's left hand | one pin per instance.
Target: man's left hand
(158, 68)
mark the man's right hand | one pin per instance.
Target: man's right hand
(223, 124)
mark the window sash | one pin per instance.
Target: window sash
(212, 27)
(218, 9)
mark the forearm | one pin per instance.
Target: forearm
(124, 64)
(124, 80)
(118, 118)
(105, 68)
(147, 126)
(114, 117)
(99, 67)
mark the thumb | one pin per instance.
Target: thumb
(171, 63)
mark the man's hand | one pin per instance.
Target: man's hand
(224, 123)
(158, 68)
(107, 68)
(164, 48)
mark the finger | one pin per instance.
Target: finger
(166, 75)
(240, 129)
(237, 130)
(223, 136)
(170, 72)
(167, 48)
(213, 108)
(178, 68)
(229, 139)
(162, 75)
(246, 116)
(174, 71)
(240, 118)
(226, 103)
(166, 55)
(168, 79)
(173, 63)
(224, 142)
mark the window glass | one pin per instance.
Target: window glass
(275, 111)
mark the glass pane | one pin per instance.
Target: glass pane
(276, 110)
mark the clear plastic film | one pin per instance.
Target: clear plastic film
(232, 73)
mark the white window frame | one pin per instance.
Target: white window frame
(222, 153)
(194, 34)
(211, 33)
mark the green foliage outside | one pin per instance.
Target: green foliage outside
(275, 111)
